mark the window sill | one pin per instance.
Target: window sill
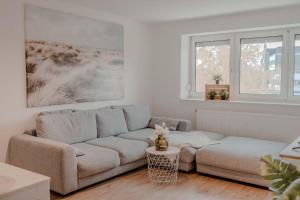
(225, 102)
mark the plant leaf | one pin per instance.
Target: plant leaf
(293, 191)
(280, 173)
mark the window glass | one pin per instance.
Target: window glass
(260, 65)
(212, 58)
(297, 66)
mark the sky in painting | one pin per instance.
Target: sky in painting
(55, 26)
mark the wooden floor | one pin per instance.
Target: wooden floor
(190, 186)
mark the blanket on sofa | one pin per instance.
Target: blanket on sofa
(186, 139)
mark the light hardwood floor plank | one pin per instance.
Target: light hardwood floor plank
(190, 186)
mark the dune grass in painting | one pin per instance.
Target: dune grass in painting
(59, 73)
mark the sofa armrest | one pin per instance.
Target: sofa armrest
(54, 159)
(183, 124)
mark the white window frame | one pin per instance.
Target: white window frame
(286, 95)
(291, 70)
(261, 97)
(199, 39)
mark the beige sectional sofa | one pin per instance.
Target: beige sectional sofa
(78, 148)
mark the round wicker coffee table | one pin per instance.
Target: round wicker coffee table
(163, 165)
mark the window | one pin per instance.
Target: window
(297, 66)
(260, 65)
(211, 58)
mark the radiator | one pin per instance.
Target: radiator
(275, 127)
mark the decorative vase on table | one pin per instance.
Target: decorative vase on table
(161, 143)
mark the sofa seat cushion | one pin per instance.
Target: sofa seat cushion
(67, 127)
(110, 122)
(238, 153)
(129, 150)
(140, 135)
(95, 159)
(78, 151)
(188, 154)
(210, 135)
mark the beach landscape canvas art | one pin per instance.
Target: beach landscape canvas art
(72, 59)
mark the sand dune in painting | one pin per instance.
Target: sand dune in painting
(59, 73)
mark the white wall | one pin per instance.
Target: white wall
(151, 52)
(167, 41)
(14, 116)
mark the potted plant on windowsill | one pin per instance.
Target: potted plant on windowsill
(212, 94)
(224, 95)
(217, 78)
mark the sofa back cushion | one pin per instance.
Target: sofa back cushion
(93, 111)
(110, 122)
(67, 127)
(56, 112)
(137, 116)
(171, 124)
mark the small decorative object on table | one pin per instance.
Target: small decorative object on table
(163, 165)
(161, 143)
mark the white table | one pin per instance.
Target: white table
(163, 165)
(17, 183)
(292, 155)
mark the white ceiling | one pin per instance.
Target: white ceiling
(169, 10)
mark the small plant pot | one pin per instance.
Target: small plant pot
(212, 97)
(217, 82)
(223, 98)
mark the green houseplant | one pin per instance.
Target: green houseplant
(284, 177)
(224, 95)
(212, 94)
(217, 78)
